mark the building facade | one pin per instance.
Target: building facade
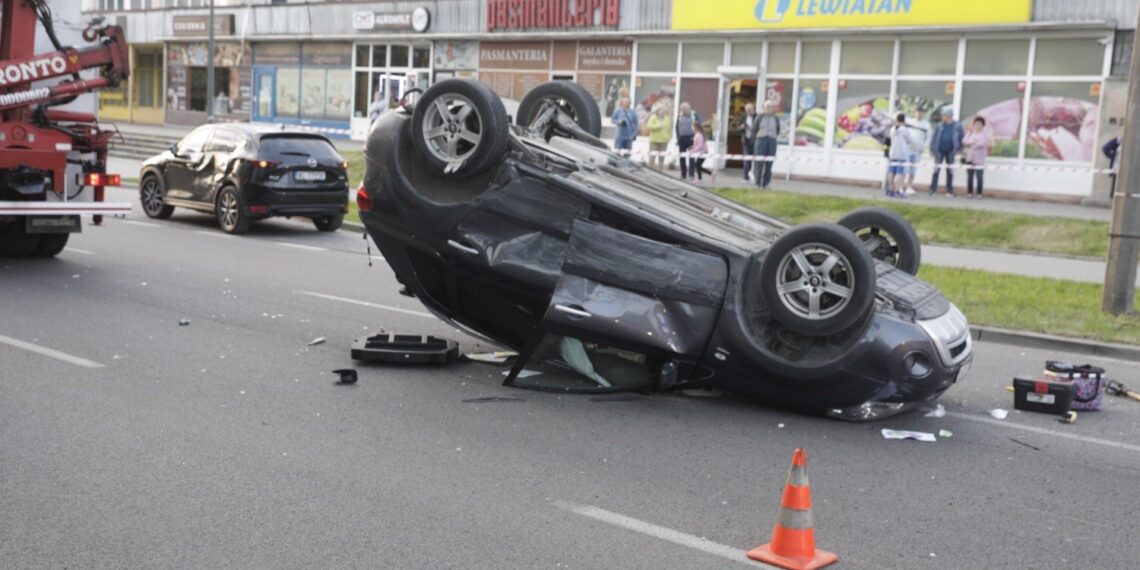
(1047, 75)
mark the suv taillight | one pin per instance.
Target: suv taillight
(363, 199)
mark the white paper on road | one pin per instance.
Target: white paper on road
(901, 434)
(999, 414)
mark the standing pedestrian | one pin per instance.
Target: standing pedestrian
(699, 149)
(978, 143)
(903, 143)
(921, 135)
(944, 145)
(747, 125)
(378, 106)
(660, 131)
(625, 119)
(685, 121)
(767, 129)
(1110, 149)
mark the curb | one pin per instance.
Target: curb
(1049, 342)
(352, 226)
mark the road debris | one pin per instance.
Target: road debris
(938, 412)
(1068, 418)
(316, 341)
(999, 413)
(945, 433)
(497, 357)
(347, 375)
(902, 434)
(1019, 442)
(1114, 388)
(184, 322)
(491, 400)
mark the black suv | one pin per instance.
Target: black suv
(242, 172)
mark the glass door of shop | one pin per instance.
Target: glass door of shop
(738, 90)
(264, 85)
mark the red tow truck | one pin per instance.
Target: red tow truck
(52, 161)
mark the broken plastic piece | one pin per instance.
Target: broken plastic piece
(1068, 418)
(347, 375)
(999, 413)
(938, 412)
(184, 322)
(405, 349)
(316, 341)
(497, 357)
(901, 434)
(945, 433)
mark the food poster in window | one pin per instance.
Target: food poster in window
(1000, 104)
(864, 118)
(778, 92)
(1063, 122)
(929, 97)
(811, 122)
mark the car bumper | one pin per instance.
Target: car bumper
(269, 203)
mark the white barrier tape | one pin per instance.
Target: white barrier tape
(669, 155)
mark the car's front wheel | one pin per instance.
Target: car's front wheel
(328, 223)
(460, 127)
(230, 212)
(818, 279)
(150, 194)
(887, 235)
(573, 99)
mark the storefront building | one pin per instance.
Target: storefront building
(1045, 74)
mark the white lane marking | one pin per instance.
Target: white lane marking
(77, 250)
(1043, 431)
(366, 304)
(144, 224)
(668, 534)
(45, 351)
(300, 246)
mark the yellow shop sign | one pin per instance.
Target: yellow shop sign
(802, 14)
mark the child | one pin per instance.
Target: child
(699, 149)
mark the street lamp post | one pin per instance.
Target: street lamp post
(1124, 233)
(210, 69)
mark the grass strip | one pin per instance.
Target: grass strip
(1034, 304)
(960, 227)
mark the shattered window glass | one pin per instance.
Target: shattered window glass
(561, 363)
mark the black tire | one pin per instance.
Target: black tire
(50, 245)
(460, 127)
(229, 210)
(328, 223)
(573, 98)
(15, 241)
(888, 236)
(151, 195)
(840, 276)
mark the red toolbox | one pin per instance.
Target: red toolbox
(1048, 395)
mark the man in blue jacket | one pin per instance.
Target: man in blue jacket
(944, 146)
(625, 119)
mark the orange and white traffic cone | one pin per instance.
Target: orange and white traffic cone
(793, 539)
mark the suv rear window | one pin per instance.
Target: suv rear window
(283, 149)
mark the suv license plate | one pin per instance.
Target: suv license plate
(309, 175)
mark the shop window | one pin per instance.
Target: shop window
(338, 94)
(781, 57)
(701, 58)
(811, 122)
(1063, 121)
(653, 93)
(399, 56)
(198, 77)
(421, 57)
(999, 102)
(1079, 56)
(379, 56)
(816, 57)
(147, 79)
(863, 115)
(657, 57)
(867, 58)
(288, 97)
(928, 58)
(779, 91)
(363, 95)
(997, 57)
(747, 53)
(312, 93)
(361, 59)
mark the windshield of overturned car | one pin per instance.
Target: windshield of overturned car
(565, 364)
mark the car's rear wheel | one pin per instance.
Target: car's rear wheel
(460, 127)
(572, 98)
(230, 212)
(818, 279)
(887, 235)
(50, 245)
(150, 194)
(328, 223)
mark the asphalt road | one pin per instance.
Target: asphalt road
(225, 444)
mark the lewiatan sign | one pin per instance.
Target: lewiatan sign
(822, 14)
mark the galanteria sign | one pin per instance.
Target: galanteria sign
(49, 66)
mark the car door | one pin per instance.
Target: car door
(625, 312)
(210, 173)
(182, 169)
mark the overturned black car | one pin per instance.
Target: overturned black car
(606, 275)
